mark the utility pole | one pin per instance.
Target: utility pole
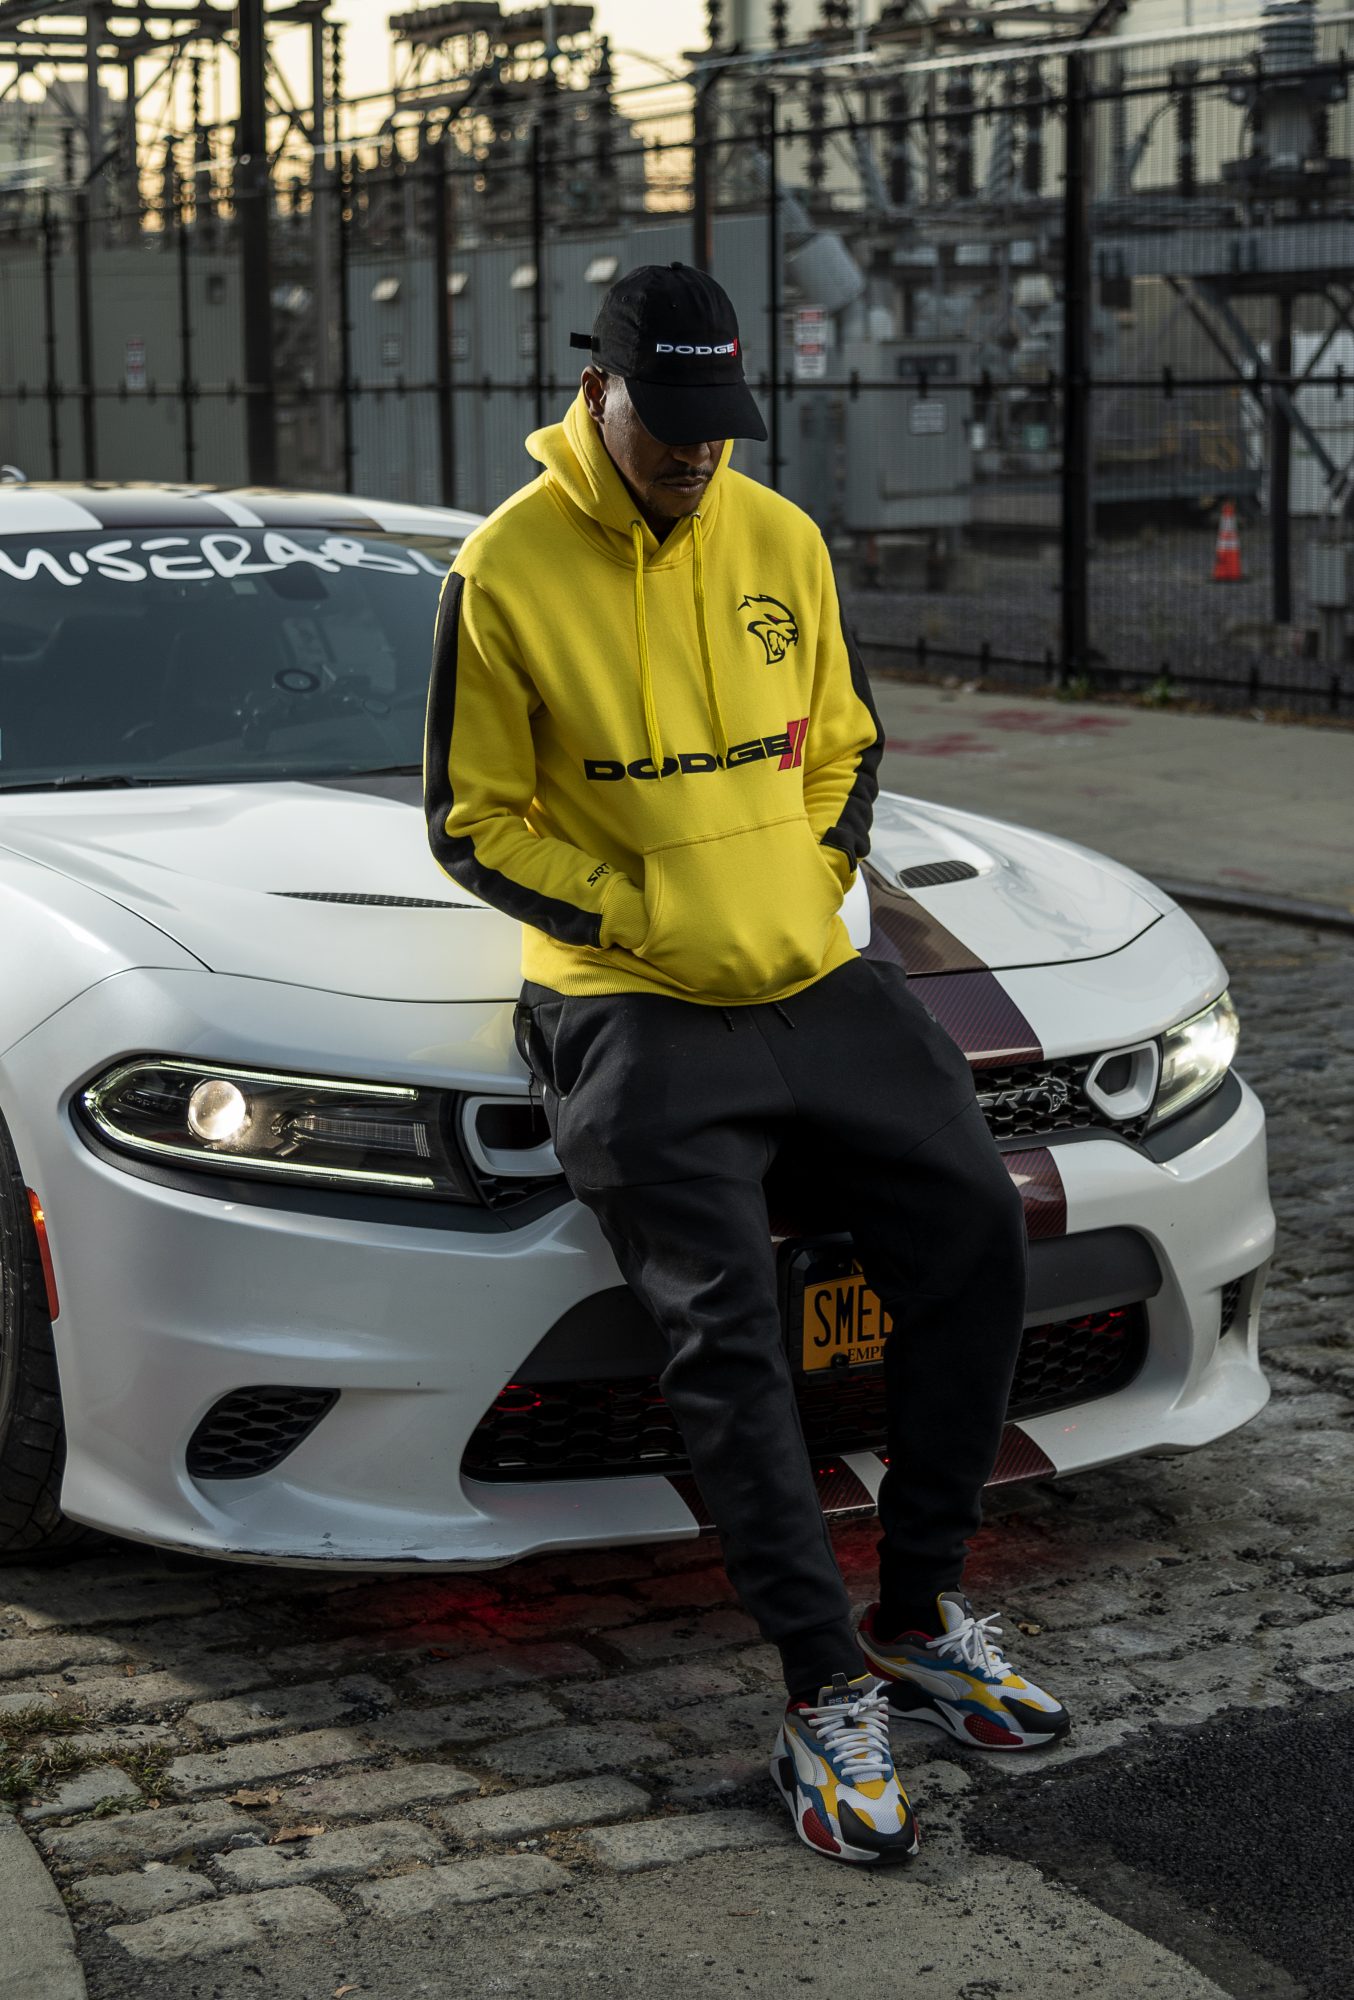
(773, 284)
(131, 177)
(323, 230)
(95, 29)
(1076, 461)
(1280, 470)
(252, 192)
(702, 139)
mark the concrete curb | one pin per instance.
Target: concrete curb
(37, 1944)
(1254, 903)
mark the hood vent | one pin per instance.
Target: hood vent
(378, 902)
(930, 874)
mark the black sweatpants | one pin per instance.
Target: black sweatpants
(668, 1117)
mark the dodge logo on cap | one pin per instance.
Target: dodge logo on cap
(672, 333)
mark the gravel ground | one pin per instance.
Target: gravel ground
(587, 1734)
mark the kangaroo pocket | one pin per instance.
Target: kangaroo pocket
(736, 914)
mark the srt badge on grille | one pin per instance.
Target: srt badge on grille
(1047, 1099)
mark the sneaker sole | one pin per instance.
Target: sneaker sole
(856, 1857)
(913, 1704)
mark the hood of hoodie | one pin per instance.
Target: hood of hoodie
(576, 461)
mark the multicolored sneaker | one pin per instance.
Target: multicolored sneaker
(962, 1681)
(834, 1769)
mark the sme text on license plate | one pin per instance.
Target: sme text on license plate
(843, 1323)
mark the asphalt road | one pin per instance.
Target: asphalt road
(1229, 1843)
(1153, 606)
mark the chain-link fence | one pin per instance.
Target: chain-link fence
(1056, 346)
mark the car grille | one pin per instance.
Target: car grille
(1028, 1099)
(252, 1430)
(587, 1430)
(1231, 1299)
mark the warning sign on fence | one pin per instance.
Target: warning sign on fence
(927, 417)
(810, 344)
(134, 367)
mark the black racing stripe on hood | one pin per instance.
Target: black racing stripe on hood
(1042, 1194)
(304, 510)
(978, 1014)
(953, 983)
(149, 507)
(904, 931)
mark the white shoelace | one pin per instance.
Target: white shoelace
(857, 1735)
(975, 1642)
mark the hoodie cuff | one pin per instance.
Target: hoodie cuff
(624, 916)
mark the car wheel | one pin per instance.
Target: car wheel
(32, 1440)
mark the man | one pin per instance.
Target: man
(651, 742)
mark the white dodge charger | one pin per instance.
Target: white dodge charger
(287, 1268)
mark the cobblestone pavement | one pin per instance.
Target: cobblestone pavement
(319, 1785)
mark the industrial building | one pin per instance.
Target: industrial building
(1004, 270)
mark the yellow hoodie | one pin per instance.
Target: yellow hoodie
(660, 757)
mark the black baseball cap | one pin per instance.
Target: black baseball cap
(672, 332)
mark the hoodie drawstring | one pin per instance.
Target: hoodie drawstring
(642, 639)
(703, 637)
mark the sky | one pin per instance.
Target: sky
(654, 28)
(646, 36)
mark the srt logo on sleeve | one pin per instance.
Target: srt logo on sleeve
(774, 624)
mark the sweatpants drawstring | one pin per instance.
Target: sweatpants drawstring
(783, 1015)
(728, 1019)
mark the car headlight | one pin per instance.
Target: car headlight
(321, 1131)
(1195, 1056)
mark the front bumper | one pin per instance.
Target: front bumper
(172, 1299)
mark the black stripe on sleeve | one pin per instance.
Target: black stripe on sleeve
(852, 832)
(456, 853)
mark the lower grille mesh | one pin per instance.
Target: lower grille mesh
(588, 1430)
(1231, 1299)
(252, 1430)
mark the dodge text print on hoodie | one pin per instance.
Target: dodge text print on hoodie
(660, 757)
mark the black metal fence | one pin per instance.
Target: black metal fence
(1027, 332)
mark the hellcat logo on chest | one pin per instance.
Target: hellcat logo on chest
(774, 624)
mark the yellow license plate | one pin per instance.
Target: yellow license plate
(844, 1323)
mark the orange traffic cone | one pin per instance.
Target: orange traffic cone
(1227, 555)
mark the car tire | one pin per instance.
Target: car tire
(32, 1437)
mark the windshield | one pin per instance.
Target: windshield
(220, 655)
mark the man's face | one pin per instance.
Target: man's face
(668, 480)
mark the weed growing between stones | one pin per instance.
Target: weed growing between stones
(35, 1750)
(148, 1768)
